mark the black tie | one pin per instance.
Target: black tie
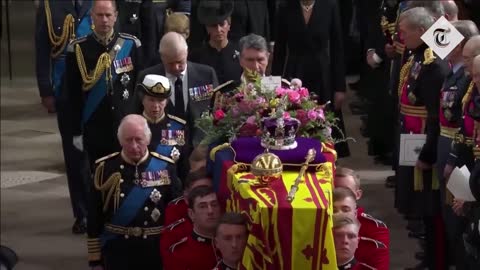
(179, 102)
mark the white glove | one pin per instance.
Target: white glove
(373, 59)
(78, 142)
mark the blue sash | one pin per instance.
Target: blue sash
(133, 202)
(99, 90)
(58, 68)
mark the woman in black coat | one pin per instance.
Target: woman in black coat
(308, 46)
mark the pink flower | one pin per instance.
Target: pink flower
(260, 100)
(327, 132)
(235, 112)
(321, 114)
(286, 115)
(303, 92)
(302, 116)
(294, 97)
(280, 91)
(239, 97)
(251, 120)
(312, 114)
(250, 86)
(248, 130)
(218, 115)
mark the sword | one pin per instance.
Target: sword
(309, 158)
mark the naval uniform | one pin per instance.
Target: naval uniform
(100, 100)
(192, 252)
(126, 213)
(50, 68)
(169, 138)
(421, 80)
(225, 62)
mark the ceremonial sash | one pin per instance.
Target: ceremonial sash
(98, 92)
(133, 202)
(58, 69)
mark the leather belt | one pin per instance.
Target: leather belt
(133, 231)
(448, 132)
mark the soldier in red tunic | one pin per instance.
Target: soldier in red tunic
(197, 250)
(178, 223)
(370, 251)
(231, 239)
(345, 235)
(371, 227)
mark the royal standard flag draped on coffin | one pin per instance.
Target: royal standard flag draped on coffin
(284, 235)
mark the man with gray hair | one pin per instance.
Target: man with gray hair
(254, 54)
(419, 94)
(192, 83)
(128, 197)
(435, 7)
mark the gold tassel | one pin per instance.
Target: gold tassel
(403, 75)
(417, 179)
(103, 65)
(467, 97)
(68, 32)
(111, 186)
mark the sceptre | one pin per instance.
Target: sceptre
(309, 158)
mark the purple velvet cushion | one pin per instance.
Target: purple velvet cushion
(247, 148)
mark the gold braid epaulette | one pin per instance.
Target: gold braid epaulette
(467, 97)
(112, 185)
(103, 65)
(404, 72)
(68, 32)
(428, 56)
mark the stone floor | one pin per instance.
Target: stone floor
(35, 208)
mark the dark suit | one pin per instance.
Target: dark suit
(197, 75)
(315, 52)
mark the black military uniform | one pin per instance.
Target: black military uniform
(225, 61)
(100, 101)
(136, 17)
(126, 210)
(419, 94)
(50, 47)
(169, 133)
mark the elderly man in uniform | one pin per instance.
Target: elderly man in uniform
(129, 194)
(58, 22)
(419, 94)
(454, 88)
(100, 77)
(231, 239)
(220, 53)
(168, 131)
(197, 250)
(193, 83)
(135, 17)
(346, 238)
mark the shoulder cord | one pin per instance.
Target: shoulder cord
(103, 64)
(111, 185)
(68, 32)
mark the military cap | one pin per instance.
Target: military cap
(156, 86)
(214, 12)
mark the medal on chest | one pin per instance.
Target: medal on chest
(124, 81)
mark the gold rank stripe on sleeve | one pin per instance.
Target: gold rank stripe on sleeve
(157, 155)
(178, 119)
(94, 249)
(106, 157)
(222, 85)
